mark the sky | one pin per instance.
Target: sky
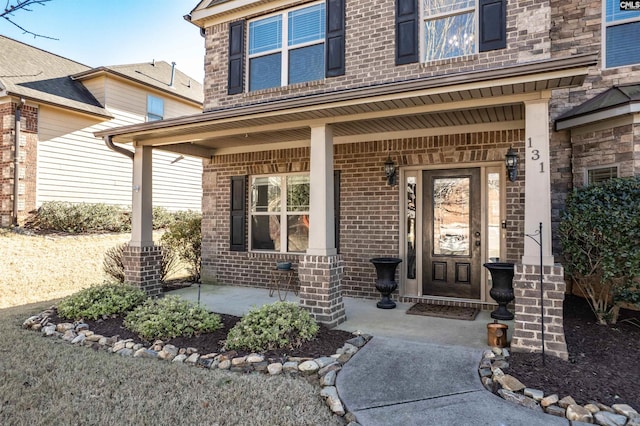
(113, 32)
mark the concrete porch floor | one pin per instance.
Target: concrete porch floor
(362, 315)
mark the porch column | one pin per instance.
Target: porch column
(321, 269)
(537, 185)
(142, 258)
(321, 234)
(528, 277)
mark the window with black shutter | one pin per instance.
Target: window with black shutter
(236, 57)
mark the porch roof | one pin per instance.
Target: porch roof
(455, 102)
(612, 103)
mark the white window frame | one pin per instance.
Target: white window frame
(284, 49)
(589, 169)
(428, 17)
(283, 213)
(605, 26)
(149, 113)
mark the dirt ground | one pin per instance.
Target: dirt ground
(603, 361)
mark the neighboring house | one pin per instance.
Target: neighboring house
(307, 103)
(61, 103)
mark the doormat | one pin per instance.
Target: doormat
(443, 311)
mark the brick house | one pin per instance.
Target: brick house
(53, 105)
(316, 99)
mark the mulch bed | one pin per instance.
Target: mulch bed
(603, 360)
(326, 342)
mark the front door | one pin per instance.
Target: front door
(451, 233)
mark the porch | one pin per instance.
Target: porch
(362, 315)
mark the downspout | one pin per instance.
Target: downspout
(16, 162)
(118, 149)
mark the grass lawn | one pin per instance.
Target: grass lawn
(47, 381)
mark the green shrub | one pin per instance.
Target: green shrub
(113, 265)
(184, 237)
(162, 218)
(599, 233)
(80, 217)
(275, 326)
(170, 317)
(104, 299)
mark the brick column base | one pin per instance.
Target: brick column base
(142, 268)
(527, 336)
(321, 288)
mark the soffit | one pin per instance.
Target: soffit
(447, 101)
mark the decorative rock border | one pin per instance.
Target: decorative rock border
(491, 371)
(323, 369)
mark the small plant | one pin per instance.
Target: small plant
(113, 265)
(275, 326)
(170, 317)
(162, 218)
(599, 232)
(184, 237)
(97, 301)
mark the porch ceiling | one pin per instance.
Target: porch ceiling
(465, 99)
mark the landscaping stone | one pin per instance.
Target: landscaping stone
(536, 394)
(324, 361)
(78, 339)
(566, 401)
(290, 366)
(487, 383)
(332, 399)
(275, 368)
(329, 379)
(548, 400)
(255, 358)
(604, 418)
(224, 364)
(593, 408)
(519, 399)
(192, 359)
(357, 341)
(309, 367)
(179, 358)
(509, 382)
(49, 330)
(238, 361)
(554, 410)
(624, 409)
(579, 413)
(125, 352)
(64, 326)
(69, 335)
(94, 337)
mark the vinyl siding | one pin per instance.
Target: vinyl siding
(75, 166)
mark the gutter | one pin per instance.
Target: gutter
(16, 161)
(118, 149)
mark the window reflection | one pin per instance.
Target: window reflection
(451, 216)
(411, 227)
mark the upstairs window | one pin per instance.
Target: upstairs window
(622, 35)
(287, 48)
(155, 108)
(449, 28)
(442, 29)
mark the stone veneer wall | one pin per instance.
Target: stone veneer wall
(142, 268)
(369, 208)
(527, 336)
(28, 161)
(320, 288)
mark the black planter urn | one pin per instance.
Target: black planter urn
(385, 281)
(502, 288)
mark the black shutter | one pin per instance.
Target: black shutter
(236, 58)
(407, 16)
(336, 207)
(238, 226)
(334, 41)
(493, 24)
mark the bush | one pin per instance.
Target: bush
(599, 232)
(184, 237)
(96, 301)
(275, 326)
(80, 218)
(162, 218)
(113, 265)
(170, 317)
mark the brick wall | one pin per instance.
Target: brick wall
(28, 161)
(370, 53)
(142, 268)
(369, 208)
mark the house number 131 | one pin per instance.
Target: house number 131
(535, 156)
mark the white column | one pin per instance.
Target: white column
(537, 195)
(142, 200)
(321, 221)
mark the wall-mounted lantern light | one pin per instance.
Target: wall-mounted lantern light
(390, 171)
(511, 161)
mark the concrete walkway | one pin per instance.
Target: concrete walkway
(415, 371)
